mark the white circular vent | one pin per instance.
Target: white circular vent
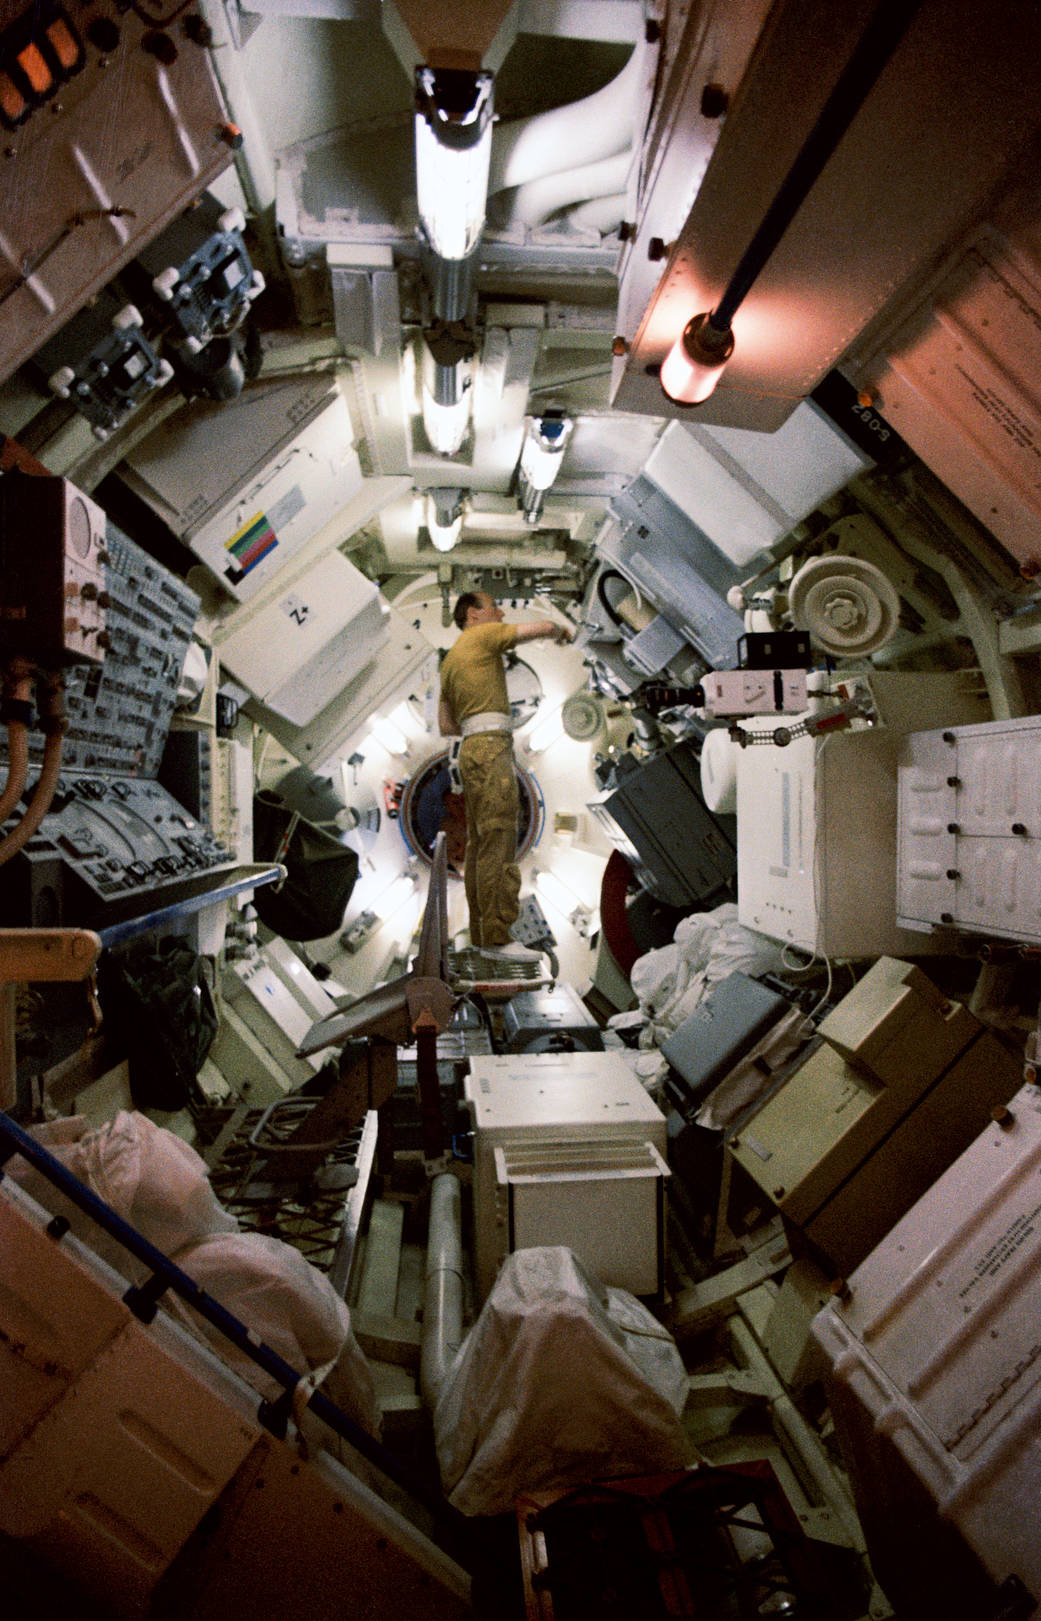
(582, 717)
(719, 772)
(847, 605)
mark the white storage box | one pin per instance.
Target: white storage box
(300, 650)
(935, 1381)
(247, 489)
(568, 1149)
(261, 998)
(793, 878)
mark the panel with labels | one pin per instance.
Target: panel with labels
(111, 847)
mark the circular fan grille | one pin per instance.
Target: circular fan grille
(847, 604)
(581, 717)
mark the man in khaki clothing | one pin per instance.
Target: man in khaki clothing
(474, 705)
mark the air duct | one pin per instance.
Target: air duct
(583, 132)
(533, 203)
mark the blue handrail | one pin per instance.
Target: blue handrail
(142, 1300)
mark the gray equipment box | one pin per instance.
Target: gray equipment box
(729, 1021)
(552, 1019)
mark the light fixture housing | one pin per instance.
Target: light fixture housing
(445, 421)
(385, 732)
(447, 388)
(542, 452)
(696, 361)
(453, 150)
(444, 517)
(547, 730)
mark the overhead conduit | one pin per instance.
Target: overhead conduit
(570, 155)
(533, 203)
(601, 214)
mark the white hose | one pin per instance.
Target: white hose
(443, 1294)
(533, 203)
(601, 214)
(583, 132)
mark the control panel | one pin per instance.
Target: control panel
(117, 106)
(119, 712)
(110, 847)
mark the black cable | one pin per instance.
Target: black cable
(603, 599)
(873, 50)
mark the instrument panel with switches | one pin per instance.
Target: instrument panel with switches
(109, 848)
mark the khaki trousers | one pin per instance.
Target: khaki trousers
(491, 875)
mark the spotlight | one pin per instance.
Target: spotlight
(695, 363)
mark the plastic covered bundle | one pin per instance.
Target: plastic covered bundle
(151, 1177)
(707, 946)
(160, 1185)
(559, 1381)
(288, 1304)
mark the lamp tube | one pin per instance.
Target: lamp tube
(453, 131)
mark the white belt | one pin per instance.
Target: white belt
(487, 722)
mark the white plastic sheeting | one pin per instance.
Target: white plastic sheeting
(160, 1185)
(151, 1177)
(291, 1306)
(559, 1381)
(671, 981)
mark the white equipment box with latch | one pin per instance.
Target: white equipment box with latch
(298, 651)
(568, 1149)
(793, 877)
(248, 491)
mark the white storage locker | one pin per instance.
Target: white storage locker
(300, 650)
(568, 1149)
(816, 844)
(246, 489)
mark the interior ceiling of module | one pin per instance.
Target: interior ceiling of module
(339, 128)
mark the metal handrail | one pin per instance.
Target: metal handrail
(142, 1300)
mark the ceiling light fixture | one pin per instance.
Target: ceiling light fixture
(696, 361)
(545, 439)
(447, 390)
(547, 730)
(445, 421)
(444, 515)
(453, 150)
(385, 732)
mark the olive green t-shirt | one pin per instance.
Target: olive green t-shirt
(473, 679)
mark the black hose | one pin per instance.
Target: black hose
(603, 599)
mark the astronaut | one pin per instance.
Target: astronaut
(474, 706)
